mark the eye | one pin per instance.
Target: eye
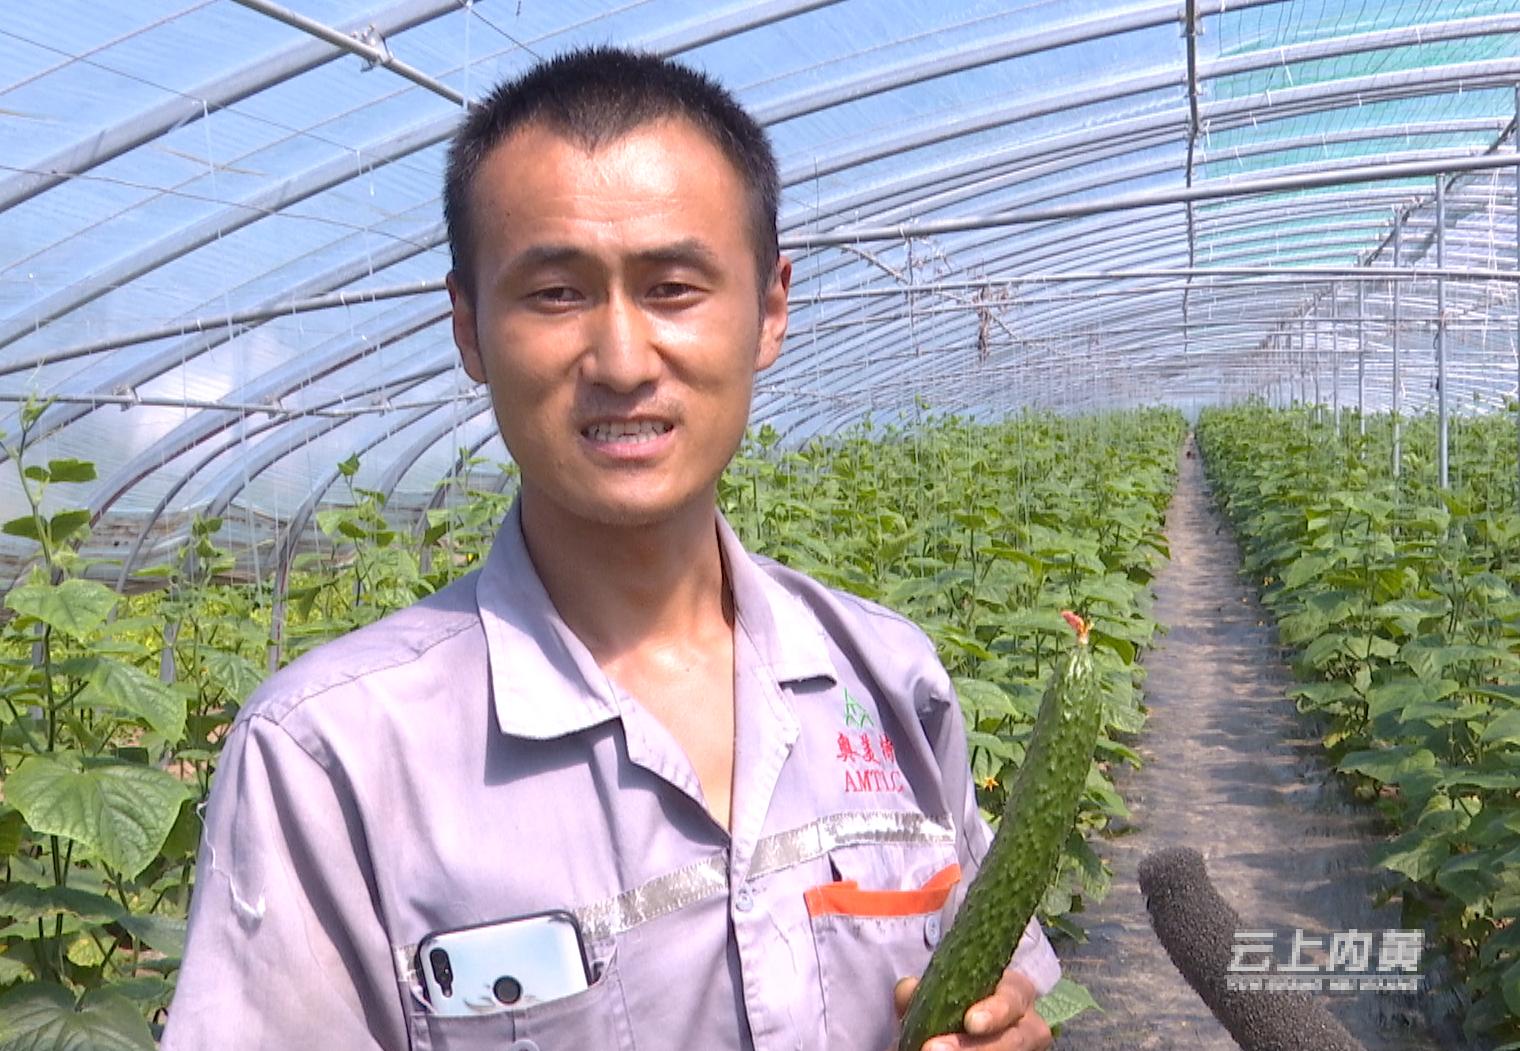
(668, 290)
(555, 296)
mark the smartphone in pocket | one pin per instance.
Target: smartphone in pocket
(495, 966)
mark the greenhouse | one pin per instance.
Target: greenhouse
(1198, 321)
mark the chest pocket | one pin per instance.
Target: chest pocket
(596, 1017)
(878, 923)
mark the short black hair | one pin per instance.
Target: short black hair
(592, 96)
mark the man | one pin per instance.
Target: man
(752, 792)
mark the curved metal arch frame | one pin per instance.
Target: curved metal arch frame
(1391, 87)
(425, 134)
(354, 269)
(294, 439)
(1051, 261)
(271, 386)
(673, 41)
(1285, 146)
(226, 89)
(1023, 251)
(848, 367)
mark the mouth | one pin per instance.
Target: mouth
(626, 432)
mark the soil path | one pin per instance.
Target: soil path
(1233, 771)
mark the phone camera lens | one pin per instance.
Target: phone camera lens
(507, 989)
(442, 971)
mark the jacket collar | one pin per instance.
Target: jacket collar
(544, 681)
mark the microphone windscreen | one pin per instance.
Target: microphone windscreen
(1197, 928)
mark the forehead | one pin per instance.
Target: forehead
(659, 183)
(670, 155)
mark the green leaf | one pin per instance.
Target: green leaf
(129, 688)
(993, 744)
(85, 951)
(1433, 520)
(1469, 878)
(231, 671)
(1432, 713)
(12, 826)
(1415, 855)
(1405, 693)
(149, 991)
(1496, 692)
(71, 470)
(1065, 1001)
(164, 934)
(1509, 983)
(349, 467)
(26, 901)
(1324, 650)
(1101, 790)
(989, 699)
(1389, 765)
(1315, 695)
(185, 835)
(122, 811)
(1503, 730)
(1364, 646)
(44, 1017)
(1123, 648)
(12, 970)
(74, 607)
(328, 520)
(1425, 657)
(1308, 567)
(1298, 628)
(25, 527)
(1468, 653)
(63, 525)
(1503, 780)
(1124, 717)
(1407, 615)
(1497, 823)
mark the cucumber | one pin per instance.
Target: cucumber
(1042, 805)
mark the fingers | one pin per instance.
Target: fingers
(1040, 1036)
(1029, 1034)
(1004, 1021)
(902, 992)
(1009, 1001)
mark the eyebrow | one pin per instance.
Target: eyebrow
(686, 252)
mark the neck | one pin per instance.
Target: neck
(620, 588)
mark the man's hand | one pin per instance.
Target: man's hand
(1005, 1021)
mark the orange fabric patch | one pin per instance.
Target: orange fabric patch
(845, 898)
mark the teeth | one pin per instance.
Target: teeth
(630, 433)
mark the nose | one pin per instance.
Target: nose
(622, 355)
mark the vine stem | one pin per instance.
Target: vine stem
(42, 949)
(47, 687)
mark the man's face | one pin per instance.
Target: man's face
(617, 318)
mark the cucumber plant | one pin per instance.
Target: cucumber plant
(1401, 604)
(981, 534)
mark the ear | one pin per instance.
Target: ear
(466, 334)
(773, 314)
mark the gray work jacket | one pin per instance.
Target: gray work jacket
(466, 761)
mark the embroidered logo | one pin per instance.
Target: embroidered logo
(868, 756)
(855, 713)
